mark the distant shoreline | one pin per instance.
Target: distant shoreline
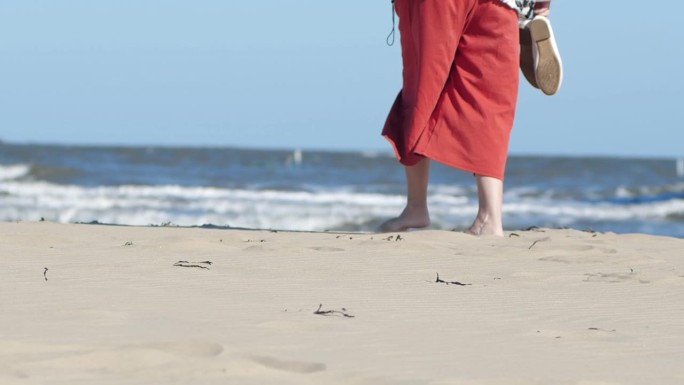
(376, 151)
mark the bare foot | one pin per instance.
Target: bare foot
(409, 219)
(483, 226)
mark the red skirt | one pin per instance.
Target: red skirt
(460, 84)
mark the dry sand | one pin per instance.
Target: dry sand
(540, 307)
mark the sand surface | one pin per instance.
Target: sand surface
(117, 306)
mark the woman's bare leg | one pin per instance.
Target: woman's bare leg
(490, 195)
(415, 214)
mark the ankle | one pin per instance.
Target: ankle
(417, 208)
(486, 224)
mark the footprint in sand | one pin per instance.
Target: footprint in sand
(7, 372)
(575, 260)
(613, 277)
(257, 248)
(134, 358)
(191, 349)
(102, 317)
(581, 255)
(289, 366)
(324, 248)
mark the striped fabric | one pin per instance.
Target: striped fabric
(524, 7)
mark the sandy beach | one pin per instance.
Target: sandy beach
(96, 304)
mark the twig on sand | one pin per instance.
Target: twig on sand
(201, 265)
(45, 273)
(603, 330)
(391, 237)
(339, 313)
(451, 282)
(532, 245)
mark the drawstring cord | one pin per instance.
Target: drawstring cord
(390, 37)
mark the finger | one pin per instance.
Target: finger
(542, 12)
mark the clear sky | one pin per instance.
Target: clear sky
(312, 74)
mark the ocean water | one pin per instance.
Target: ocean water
(319, 190)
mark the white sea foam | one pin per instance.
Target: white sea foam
(143, 205)
(14, 171)
(604, 211)
(324, 209)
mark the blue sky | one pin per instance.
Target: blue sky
(310, 74)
